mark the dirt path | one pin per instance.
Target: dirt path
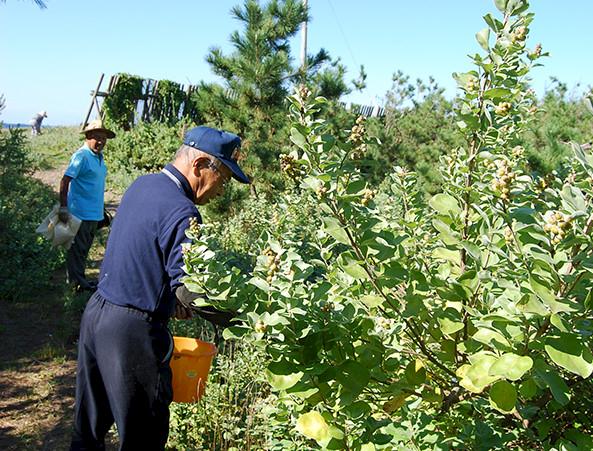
(38, 340)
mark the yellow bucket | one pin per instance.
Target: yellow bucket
(190, 364)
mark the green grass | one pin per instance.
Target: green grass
(54, 146)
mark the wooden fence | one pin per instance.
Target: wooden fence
(150, 105)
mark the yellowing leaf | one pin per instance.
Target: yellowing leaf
(511, 366)
(476, 377)
(446, 254)
(395, 403)
(313, 425)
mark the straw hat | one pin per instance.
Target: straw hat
(97, 124)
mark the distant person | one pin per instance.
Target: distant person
(36, 123)
(125, 345)
(81, 194)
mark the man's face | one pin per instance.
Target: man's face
(213, 178)
(96, 140)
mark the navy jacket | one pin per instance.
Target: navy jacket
(143, 260)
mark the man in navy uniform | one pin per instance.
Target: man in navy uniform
(125, 346)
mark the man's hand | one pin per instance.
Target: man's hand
(182, 312)
(63, 215)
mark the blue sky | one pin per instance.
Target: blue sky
(52, 58)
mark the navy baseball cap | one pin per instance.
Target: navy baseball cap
(220, 144)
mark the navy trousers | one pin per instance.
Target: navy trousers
(123, 377)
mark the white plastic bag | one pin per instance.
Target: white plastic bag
(57, 232)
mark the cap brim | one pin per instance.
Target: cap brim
(238, 174)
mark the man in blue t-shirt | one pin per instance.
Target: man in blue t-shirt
(125, 345)
(81, 195)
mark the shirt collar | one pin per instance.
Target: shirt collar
(184, 182)
(96, 155)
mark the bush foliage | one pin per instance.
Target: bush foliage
(26, 260)
(457, 321)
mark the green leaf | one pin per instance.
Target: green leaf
(473, 251)
(353, 376)
(333, 228)
(415, 372)
(371, 300)
(313, 425)
(496, 93)
(573, 199)
(445, 204)
(446, 234)
(548, 297)
(528, 389)
(585, 159)
(503, 396)
(260, 283)
(482, 37)
(450, 322)
(298, 138)
(511, 366)
(446, 254)
(353, 269)
(568, 352)
(557, 386)
(282, 381)
(492, 22)
(501, 5)
(486, 336)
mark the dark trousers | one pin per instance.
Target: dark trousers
(123, 377)
(78, 253)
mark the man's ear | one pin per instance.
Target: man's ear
(198, 164)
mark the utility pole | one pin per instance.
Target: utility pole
(304, 43)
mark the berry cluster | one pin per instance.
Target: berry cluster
(508, 235)
(357, 137)
(472, 84)
(290, 167)
(519, 34)
(321, 191)
(304, 92)
(503, 180)
(503, 108)
(194, 226)
(272, 263)
(518, 151)
(260, 326)
(384, 323)
(367, 196)
(556, 224)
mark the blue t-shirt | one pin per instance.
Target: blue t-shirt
(85, 195)
(143, 261)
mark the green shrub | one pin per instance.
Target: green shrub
(147, 148)
(26, 259)
(461, 322)
(561, 120)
